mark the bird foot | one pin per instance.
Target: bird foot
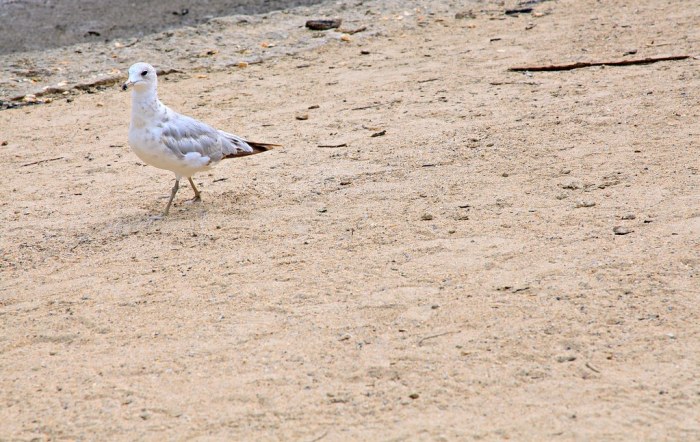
(195, 199)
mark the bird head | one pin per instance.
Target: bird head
(142, 77)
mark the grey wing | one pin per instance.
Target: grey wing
(184, 135)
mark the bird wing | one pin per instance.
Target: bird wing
(184, 135)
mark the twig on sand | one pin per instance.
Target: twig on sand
(353, 31)
(376, 104)
(592, 368)
(420, 343)
(33, 163)
(333, 146)
(366, 107)
(524, 83)
(106, 81)
(584, 64)
(320, 437)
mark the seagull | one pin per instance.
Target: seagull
(165, 139)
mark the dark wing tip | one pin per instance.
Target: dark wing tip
(257, 148)
(261, 147)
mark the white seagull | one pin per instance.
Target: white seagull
(167, 140)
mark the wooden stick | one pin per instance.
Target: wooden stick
(42, 161)
(108, 81)
(352, 31)
(583, 64)
(420, 343)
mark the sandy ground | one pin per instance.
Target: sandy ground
(457, 278)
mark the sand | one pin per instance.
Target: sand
(485, 255)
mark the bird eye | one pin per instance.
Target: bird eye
(144, 73)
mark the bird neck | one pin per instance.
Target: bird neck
(144, 105)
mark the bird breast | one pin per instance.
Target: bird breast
(145, 140)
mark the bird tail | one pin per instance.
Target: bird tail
(261, 147)
(240, 148)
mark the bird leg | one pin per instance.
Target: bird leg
(196, 192)
(172, 195)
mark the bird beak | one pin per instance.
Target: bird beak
(126, 85)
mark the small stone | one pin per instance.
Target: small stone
(629, 216)
(4, 143)
(345, 337)
(584, 204)
(566, 358)
(323, 25)
(414, 395)
(314, 106)
(302, 117)
(465, 14)
(621, 230)
(426, 217)
(322, 210)
(571, 186)
(505, 175)
(242, 64)
(345, 37)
